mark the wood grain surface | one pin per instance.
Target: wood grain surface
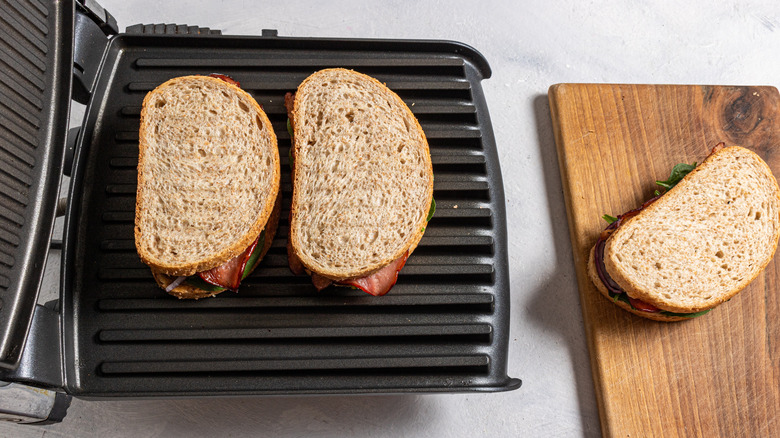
(715, 375)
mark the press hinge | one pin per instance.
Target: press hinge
(41, 361)
(100, 16)
(93, 27)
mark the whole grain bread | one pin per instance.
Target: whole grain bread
(208, 174)
(704, 240)
(362, 180)
(191, 292)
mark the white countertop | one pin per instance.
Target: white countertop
(530, 46)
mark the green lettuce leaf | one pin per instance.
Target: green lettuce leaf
(255, 256)
(432, 210)
(685, 315)
(200, 283)
(678, 172)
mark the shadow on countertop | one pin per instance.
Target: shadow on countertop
(560, 294)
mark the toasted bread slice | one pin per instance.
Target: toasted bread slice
(208, 175)
(362, 180)
(704, 240)
(187, 291)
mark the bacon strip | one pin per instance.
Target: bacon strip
(381, 281)
(289, 105)
(320, 282)
(229, 274)
(376, 284)
(226, 78)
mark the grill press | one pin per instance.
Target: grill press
(114, 333)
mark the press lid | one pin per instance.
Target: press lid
(36, 42)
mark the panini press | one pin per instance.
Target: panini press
(113, 333)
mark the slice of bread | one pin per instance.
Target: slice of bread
(363, 179)
(704, 240)
(208, 174)
(191, 292)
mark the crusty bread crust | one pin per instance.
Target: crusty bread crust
(416, 231)
(241, 241)
(715, 294)
(192, 292)
(594, 277)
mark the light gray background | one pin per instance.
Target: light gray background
(530, 46)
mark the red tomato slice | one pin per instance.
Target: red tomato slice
(643, 306)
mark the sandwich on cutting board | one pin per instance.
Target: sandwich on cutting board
(207, 204)
(694, 247)
(362, 181)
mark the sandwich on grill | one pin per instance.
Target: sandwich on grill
(207, 204)
(362, 181)
(684, 252)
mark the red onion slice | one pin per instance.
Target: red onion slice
(175, 284)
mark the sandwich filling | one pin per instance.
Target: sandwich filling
(229, 275)
(376, 284)
(615, 291)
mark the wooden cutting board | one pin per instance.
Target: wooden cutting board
(715, 375)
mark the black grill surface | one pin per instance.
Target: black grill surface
(444, 326)
(35, 69)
